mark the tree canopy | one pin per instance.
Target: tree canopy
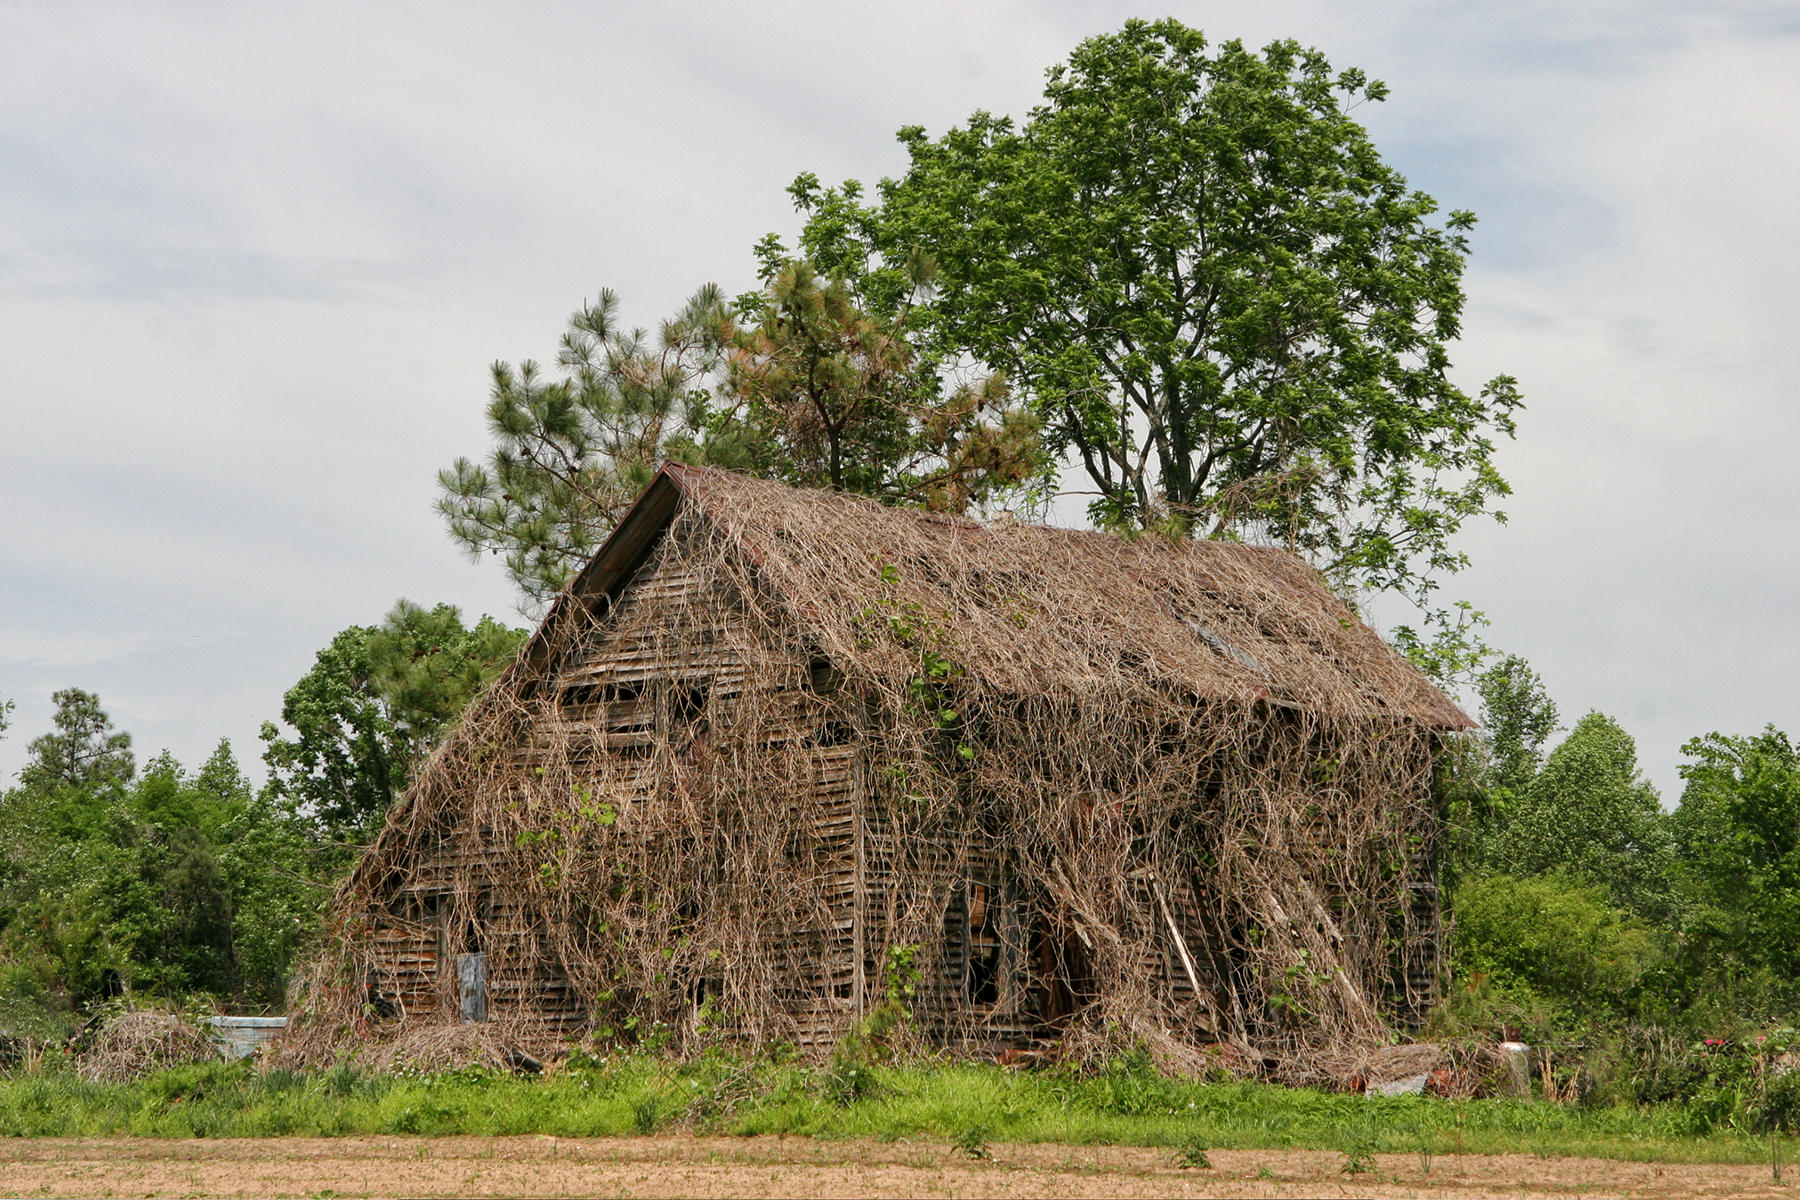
(1215, 294)
(370, 708)
(1518, 717)
(1551, 938)
(84, 752)
(158, 881)
(1590, 813)
(820, 391)
(1737, 835)
(571, 453)
(797, 381)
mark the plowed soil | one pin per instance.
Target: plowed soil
(694, 1166)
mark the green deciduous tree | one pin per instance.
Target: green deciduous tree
(1489, 773)
(344, 762)
(1517, 719)
(171, 885)
(1446, 643)
(1737, 834)
(1218, 297)
(1552, 939)
(58, 830)
(279, 886)
(373, 704)
(170, 915)
(1590, 814)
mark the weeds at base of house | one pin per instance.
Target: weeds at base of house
(646, 1115)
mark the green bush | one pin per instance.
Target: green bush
(33, 1011)
(1551, 946)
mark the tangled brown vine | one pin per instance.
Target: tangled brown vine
(779, 757)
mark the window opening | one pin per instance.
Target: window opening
(471, 965)
(983, 982)
(687, 703)
(376, 998)
(584, 695)
(979, 928)
(704, 988)
(822, 677)
(471, 984)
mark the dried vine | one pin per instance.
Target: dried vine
(1095, 788)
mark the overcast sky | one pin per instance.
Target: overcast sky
(256, 259)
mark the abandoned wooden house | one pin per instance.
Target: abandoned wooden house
(779, 757)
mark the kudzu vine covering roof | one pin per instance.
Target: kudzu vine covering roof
(1033, 609)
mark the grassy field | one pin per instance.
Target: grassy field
(966, 1106)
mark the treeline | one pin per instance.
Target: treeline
(190, 885)
(1646, 947)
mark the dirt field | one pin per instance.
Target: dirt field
(688, 1166)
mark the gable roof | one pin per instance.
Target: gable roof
(1026, 609)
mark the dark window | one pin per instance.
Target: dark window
(584, 695)
(687, 703)
(483, 914)
(975, 946)
(378, 1000)
(822, 677)
(984, 945)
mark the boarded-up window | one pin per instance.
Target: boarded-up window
(471, 984)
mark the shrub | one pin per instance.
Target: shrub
(1552, 939)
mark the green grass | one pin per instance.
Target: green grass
(959, 1104)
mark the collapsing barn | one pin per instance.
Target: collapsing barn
(778, 757)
